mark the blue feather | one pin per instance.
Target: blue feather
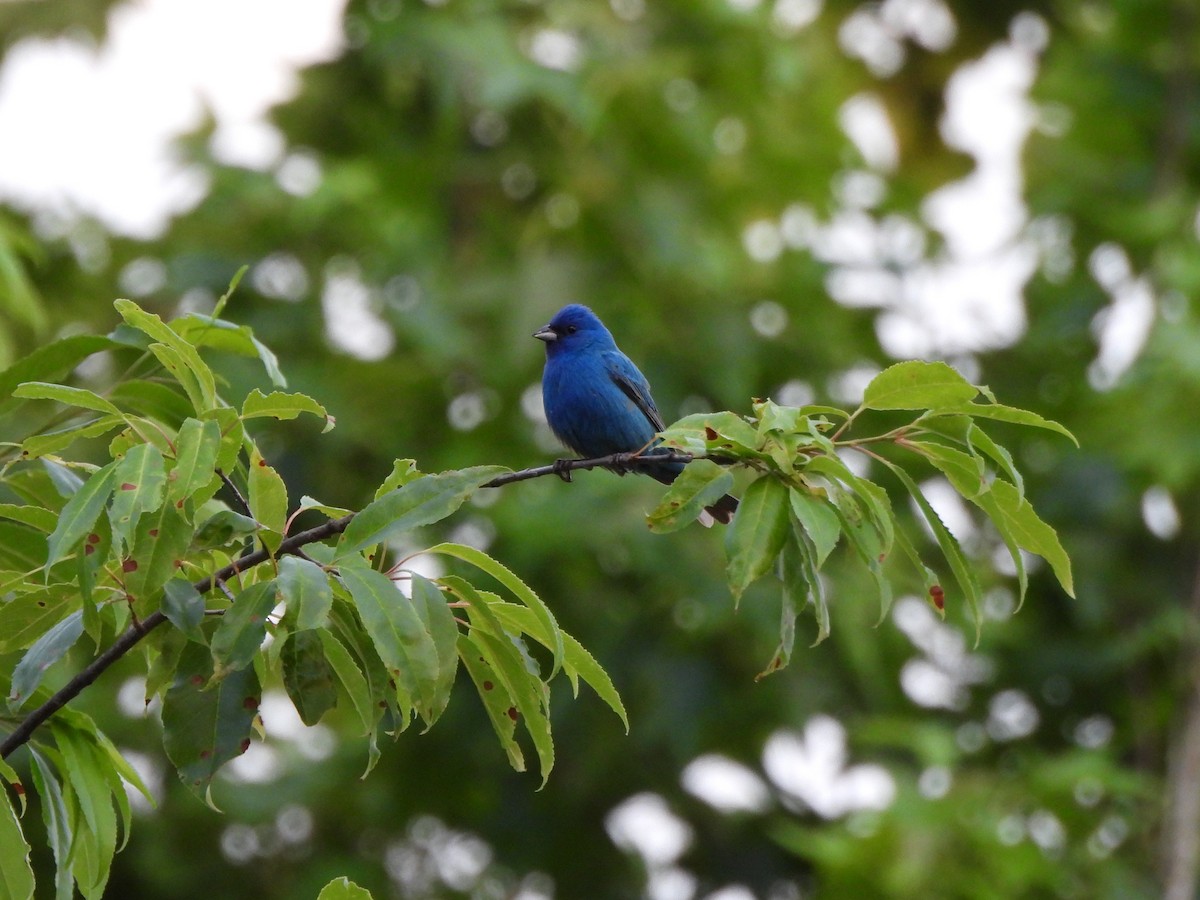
(596, 400)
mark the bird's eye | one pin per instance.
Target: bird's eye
(571, 329)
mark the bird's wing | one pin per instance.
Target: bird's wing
(633, 384)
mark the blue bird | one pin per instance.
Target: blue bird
(596, 400)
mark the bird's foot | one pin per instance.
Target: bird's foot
(562, 468)
(622, 462)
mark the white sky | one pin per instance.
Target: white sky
(87, 129)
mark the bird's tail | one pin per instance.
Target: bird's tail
(723, 510)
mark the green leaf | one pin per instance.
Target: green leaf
(819, 519)
(204, 728)
(757, 534)
(794, 595)
(207, 331)
(578, 663)
(351, 678)
(307, 676)
(223, 528)
(438, 619)
(51, 362)
(16, 874)
(343, 889)
(425, 500)
(281, 405)
(160, 542)
(918, 385)
(46, 651)
(396, 630)
(195, 458)
(80, 513)
(497, 701)
(519, 589)
(184, 607)
(159, 401)
(177, 355)
(1001, 413)
(1018, 520)
(700, 484)
(41, 519)
(138, 483)
(718, 431)
(242, 629)
(403, 471)
(268, 498)
(26, 617)
(304, 587)
(58, 826)
(71, 396)
(527, 691)
(965, 472)
(51, 442)
(964, 573)
(84, 770)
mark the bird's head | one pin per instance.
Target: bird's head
(574, 326)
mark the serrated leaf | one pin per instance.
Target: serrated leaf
(160, 401)
(195, 458)
(84, 771)
(718, 431)
(819, 520)
(966, 473)
(51, 362)
(1019, 521)
(305, 588)
(918, 385)
(138, 483)
(179, 357)
(58, 826)
(242, 629)
(26, 617)
(205, 728)
(519, 589)
(496, 699)
(397, 632)
(578, 663)
(80, 514)
(160, 542)
(41, 519)
(38, 445)
(438, 619)
(223, 528)
(403, 471)
(757, 534)
(184, 607)
(16, 873)
(207, 331)
(426, 500)
(700, 484)
(71, 396)
(1001, 413)
(343, 889)
(351, 678)
(268, 499)
(964, 574)
(45, 652)
(282, 405)
(527, 691)
(307, 676)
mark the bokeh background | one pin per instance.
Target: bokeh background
(762, 198)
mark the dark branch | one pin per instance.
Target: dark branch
(621, 462)
(139, 630)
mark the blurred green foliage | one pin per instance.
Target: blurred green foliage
(470, 191)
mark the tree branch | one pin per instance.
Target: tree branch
(621, 462)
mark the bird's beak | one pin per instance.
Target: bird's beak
(546, 334)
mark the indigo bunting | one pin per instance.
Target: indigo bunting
(596, 400)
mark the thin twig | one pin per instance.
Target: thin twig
(292, 545)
